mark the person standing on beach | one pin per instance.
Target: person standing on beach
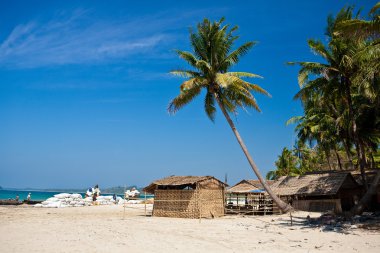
(95, 193)
(29, 196)
(89, 192)
(17, 198)
(97, 190)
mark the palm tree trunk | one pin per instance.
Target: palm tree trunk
(348, 152)
(362, 164)
(281, 204)
(373, 163)
(359, 148)
(328, 159)
(338, 157)
(359, 208)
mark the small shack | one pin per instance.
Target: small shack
(319, 192)
(187, 197)
(249, 197)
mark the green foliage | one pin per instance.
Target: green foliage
(340, 95)
(298, 161)
(287, 165)
(211, 58)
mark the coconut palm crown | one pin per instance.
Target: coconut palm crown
(211, 59)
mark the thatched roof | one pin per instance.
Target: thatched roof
(247, 185)
(181, 181)
(313, 184)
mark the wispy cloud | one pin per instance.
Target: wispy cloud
(76, 38)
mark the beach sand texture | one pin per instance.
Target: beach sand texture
(103, 229)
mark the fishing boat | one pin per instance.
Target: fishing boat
(134, 193)
(10, 202)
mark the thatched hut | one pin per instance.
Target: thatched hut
(249, 197)
(319, 192)
(248, 185)
(187, 197)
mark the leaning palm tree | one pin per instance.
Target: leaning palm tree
(211, 60)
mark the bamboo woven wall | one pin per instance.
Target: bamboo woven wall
(188, 203)
(211, 202)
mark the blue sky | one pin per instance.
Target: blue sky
(84, 88)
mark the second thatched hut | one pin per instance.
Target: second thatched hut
(327, 191)
(187, 197)
(249, 197)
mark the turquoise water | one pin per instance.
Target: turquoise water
(35, 195)
(39, 195)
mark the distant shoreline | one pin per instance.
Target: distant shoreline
(108, 190)
(6, 194)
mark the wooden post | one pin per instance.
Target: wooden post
(200, 207)
(145, 201)
(237, 203)
(252, 203)
(125, 189)
(291, 219)
(225, 201)
(265, 204)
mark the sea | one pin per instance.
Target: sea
(39, 195)
(35, 195)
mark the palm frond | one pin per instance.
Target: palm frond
(185, 73)
(375, 8)
(183, 99)
(187, 56)
(243, 74)
(225, 80)
(193, 83)
(319, 49)
(293, 120)
(235, 55)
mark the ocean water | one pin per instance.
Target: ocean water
(41, 195)
(35, 195)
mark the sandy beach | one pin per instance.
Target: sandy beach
(103, 229)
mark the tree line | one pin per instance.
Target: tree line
(340, 96)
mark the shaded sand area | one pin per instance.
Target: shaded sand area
(103, 229)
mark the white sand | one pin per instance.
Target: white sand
(103, 229)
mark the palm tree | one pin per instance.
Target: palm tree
(287, 164)
(211, 60)
(272, 175)
(359, 28)
(339, 77)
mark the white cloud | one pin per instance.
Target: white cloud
(76, 39)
